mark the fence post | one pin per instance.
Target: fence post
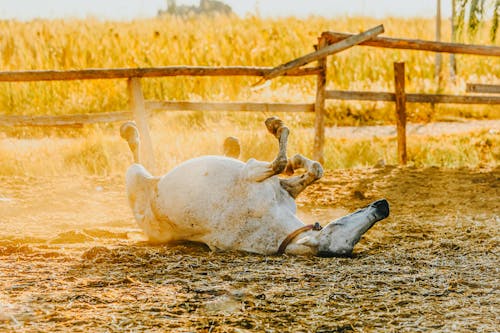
(319, 107)
(138, 107)
(399, 84)
(439, 57)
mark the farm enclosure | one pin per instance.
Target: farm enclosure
(72, 257)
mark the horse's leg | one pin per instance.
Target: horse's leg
(297, 184)
(129, 133)
(259, 171)
(231, 147)
(277, 128)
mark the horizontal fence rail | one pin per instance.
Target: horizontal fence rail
(411, 98)
(419, 45)
(229, 106)
(151, 106)
(66, 120)
(125, 73)
(483, 88)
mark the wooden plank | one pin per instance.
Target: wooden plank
(452, 99)
(420, 45)
(73, 120)
(228, 106)
(121, 73)
(411, 98)
(360, 95)
(323, 52)
(319, 108)
(400, 101)
(138, 107)
(483, 88)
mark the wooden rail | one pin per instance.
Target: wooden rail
(66, 120)
(483, 88)
(126, 73)
(323, 52)
(411, 98)
(151, 106)
(419, 45)
(230, 106)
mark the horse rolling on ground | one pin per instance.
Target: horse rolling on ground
(231, 205)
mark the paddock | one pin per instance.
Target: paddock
(73, 259)
(79, 263)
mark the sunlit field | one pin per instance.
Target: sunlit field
(226, 41)
(176, 138)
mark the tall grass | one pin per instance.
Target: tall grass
(216, 41)
(221, 40)
(177, 138)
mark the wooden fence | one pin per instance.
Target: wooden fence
(400, 97)
(329, 43)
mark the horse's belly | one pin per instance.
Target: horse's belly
(207, 200)
(199, 193)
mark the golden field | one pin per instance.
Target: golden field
(226, 41)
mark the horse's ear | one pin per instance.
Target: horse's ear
(310, 241)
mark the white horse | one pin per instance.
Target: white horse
(230, 205)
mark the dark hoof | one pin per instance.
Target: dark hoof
(289, 169)
(231, 147)
(273, 125)
(128, 130)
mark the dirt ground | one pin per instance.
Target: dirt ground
(72, 259)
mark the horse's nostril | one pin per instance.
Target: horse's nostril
(382, 207)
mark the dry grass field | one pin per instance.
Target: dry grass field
(72, 259)
(229, 41)
(102, 152)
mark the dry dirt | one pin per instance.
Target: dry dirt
(72, 259)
